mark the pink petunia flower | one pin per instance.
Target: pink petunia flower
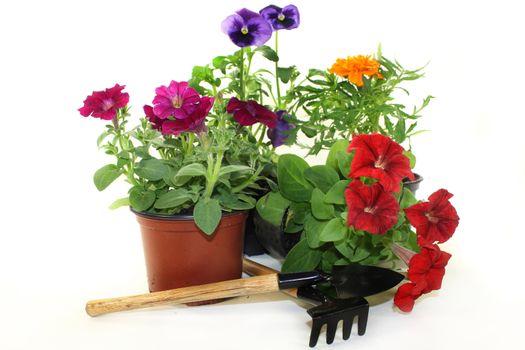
(193, 122)
(177, 100)
(104, 104)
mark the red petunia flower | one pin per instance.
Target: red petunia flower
(370, 208)
(104, 104)
(250, 112)
(406, 296)
(378, 157)
(154, 120)
(193, 122)
(435, 220)
(427, 268)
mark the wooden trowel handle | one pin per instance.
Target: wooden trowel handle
(227, 289)
(252, 268)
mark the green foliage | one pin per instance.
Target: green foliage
(321, 176)
(272, 207)
(302, 258)
(290, 174)
(207, 214)
(105, 176)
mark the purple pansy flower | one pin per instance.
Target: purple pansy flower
(176, 100)
(247, 28)
(278, 135)
(281, 18)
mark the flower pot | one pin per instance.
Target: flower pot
(413, 185)
(178, 254)
(273, 238)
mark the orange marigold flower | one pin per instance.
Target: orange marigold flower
(353, 68)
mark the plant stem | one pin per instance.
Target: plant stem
(261, 137)
(213, 173)
(242, 73)
(277, 85)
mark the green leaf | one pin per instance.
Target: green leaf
(344, 160)
(285, 73)
(220, 62)
(335, 230)
(320, 209)
(268, 52)
(292, 183)
(344, 248)
(233, 168)
(121, 202)
(309, 132)
(312, 230)
(105, 176)
(173, 199)
(411, 157)
(332, 159)
(408, 199)
(207, 215)
(299, 212)
(361, 252)
(141, 199)
(292, 227)
(399, 131)
(302, 258)
(321, 176)
(151, 169)
(272, 207)
(195, 169)
(336, 194)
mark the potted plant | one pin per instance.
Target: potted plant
(355, 209)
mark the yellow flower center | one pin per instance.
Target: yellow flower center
(176, 102)
(281, 17)
(370, 210)
(244, 30)
(380, 163)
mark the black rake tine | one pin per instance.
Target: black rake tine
(314, 334)
(347, 328)
(331, 328)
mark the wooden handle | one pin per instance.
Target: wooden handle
(226, 289)
(252, 268)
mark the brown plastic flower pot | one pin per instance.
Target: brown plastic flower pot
(178, 254)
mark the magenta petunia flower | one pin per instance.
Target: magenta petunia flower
(247, 28)
(154, 120)
(193, 123)
(278, 134)
(281, 18)
(250, 112)
(104, 104)
(176, 100)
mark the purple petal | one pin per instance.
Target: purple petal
(231, 24)
(247, 14)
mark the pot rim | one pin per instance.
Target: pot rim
(418, 178)
(178, 217)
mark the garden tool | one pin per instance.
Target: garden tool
(328, 311)
(348, 281)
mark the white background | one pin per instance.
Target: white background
(60, 246)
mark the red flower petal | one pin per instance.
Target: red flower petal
(435, 220)
(426, 269)
(378, 157)
(406, 296)
(370, 208)
(250, 112)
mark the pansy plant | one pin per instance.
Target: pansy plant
(354, 209)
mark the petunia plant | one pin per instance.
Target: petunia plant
(354, 209)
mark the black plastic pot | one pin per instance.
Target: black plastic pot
(413, 185)
(273, 238)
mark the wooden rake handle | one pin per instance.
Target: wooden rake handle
(227, 289)
(252, 268)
